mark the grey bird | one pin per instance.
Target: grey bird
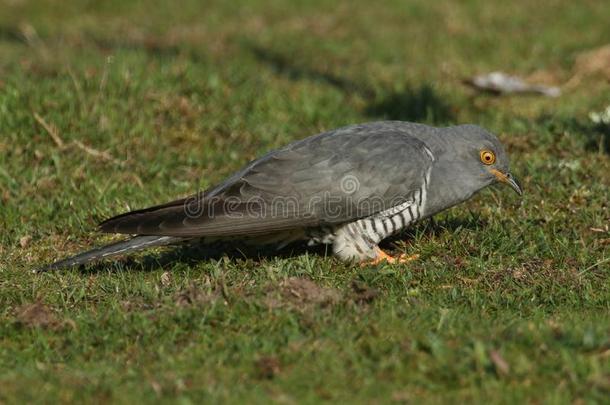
(350, 187)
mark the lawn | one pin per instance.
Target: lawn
(117, 105)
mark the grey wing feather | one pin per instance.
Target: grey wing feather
(301, 185)
(114, 249)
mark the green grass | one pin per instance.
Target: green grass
(509, 302)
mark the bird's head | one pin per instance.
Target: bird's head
(483, 157)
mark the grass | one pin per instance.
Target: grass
(510, 300)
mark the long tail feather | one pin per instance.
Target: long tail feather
(125, 246)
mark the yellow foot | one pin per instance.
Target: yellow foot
(383, 256)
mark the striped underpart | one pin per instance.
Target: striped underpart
(358, 239)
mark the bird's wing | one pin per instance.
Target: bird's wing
(329, 178)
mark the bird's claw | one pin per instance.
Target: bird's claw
(384, 257)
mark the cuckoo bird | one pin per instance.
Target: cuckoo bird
(350, 188)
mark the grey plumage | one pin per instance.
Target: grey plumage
(125, 246)
(352, 187)
(303, 173)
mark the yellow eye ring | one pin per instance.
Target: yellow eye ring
(487, 157)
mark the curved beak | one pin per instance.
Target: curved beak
(508, 179)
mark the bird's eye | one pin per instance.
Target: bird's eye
(488, 157)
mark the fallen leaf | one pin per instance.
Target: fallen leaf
(499, 363)
(166, 279)
(24, 241)
(156, 387)
(502, 83)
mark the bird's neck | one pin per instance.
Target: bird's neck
(445, 190)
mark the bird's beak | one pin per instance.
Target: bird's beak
(508, 179)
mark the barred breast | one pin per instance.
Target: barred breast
(358, 239)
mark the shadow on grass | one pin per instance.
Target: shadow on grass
(597, 138)
(420, 103)
(11, 34)
(594, 137)
(194, 255)
(154, 46)
(285, 66)
(151, 46)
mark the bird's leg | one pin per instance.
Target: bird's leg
(383, 256)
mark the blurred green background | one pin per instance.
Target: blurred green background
(112, 105)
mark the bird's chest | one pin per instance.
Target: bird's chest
(391, 221)
(372, 229)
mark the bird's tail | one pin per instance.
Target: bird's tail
(117, 248)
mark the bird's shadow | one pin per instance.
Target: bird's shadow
(192, 255)
(418, 103)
